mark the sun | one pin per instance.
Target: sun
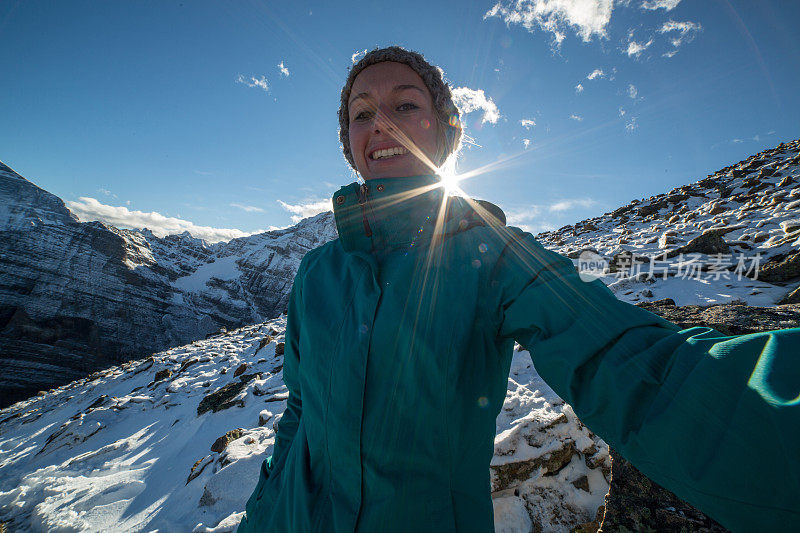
(450, 181)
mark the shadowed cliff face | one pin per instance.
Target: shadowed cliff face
(76, 297)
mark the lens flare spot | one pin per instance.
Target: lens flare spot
(483, 401)
(476, 263)
(425, 123)
(454, 121)
(482, 248)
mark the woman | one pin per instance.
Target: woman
(400, 335)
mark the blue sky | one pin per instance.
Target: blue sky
(220, 117)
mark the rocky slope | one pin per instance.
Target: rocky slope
(76, 297)
(734, 235)
(174, 442)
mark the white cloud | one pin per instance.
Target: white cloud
(737, 141)
(636, 48)
(468, 100)
(631, 125)
(621, 111)
(633, 92)
(668, 5)
(686, 31)
(576, 117)
(87, 209)
(358, 55)
(283, 69)
(308, 209)
(596, 73)
(526, 143)
(579, 88)
(527, 123)
(564, 205)
(248, 208)
(524, 217)
(261, 82)
(588, 18)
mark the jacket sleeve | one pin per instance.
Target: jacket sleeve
(715, 419)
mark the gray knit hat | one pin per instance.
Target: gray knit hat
(433, 77)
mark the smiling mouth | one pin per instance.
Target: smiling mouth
(388, 152)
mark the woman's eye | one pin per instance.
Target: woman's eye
(406, 107)
(363, 115)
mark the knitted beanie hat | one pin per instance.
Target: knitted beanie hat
(446, 111)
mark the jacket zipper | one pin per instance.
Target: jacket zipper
(362, 200)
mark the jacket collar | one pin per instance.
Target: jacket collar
(388, 213)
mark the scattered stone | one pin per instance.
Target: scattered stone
(792, 297)
(187, 364)
(221, 443)
(198, 467)
(781, 267)
(582, 483)
(223, 398)
(790, 226)
(162, 374)
(264, 417)
(516, 472)
(239, 371)
(279, 349)
(716, 210)
(263, 342)
(710, 242)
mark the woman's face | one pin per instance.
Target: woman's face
(393, 127)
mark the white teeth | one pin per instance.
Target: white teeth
(389, 152)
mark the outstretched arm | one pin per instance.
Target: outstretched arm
(714, 419)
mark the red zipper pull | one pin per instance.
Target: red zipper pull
(362, 200)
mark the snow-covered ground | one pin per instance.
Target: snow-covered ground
(124, 451)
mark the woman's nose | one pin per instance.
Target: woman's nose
(382, 121)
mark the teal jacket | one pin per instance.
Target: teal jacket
(399, 339)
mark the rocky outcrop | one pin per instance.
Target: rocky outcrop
(76, 297)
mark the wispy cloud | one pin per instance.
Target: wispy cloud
(282, 68)
(577, 118)
(686, 32)
(87, 209)
(527, 123)
(596, 73)
(587, 18)
(635, 48)
(307, 209)
(564, 205)
(468, 100)
(667, 5)
(621, 111)
(248, 208)
(631, 125)
(254, 82)
(103, 190)
(526, 143)
(633, 92)
(579, 88)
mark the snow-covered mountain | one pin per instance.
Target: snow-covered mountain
(77, 297)
(734, 235)
(174, 442)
